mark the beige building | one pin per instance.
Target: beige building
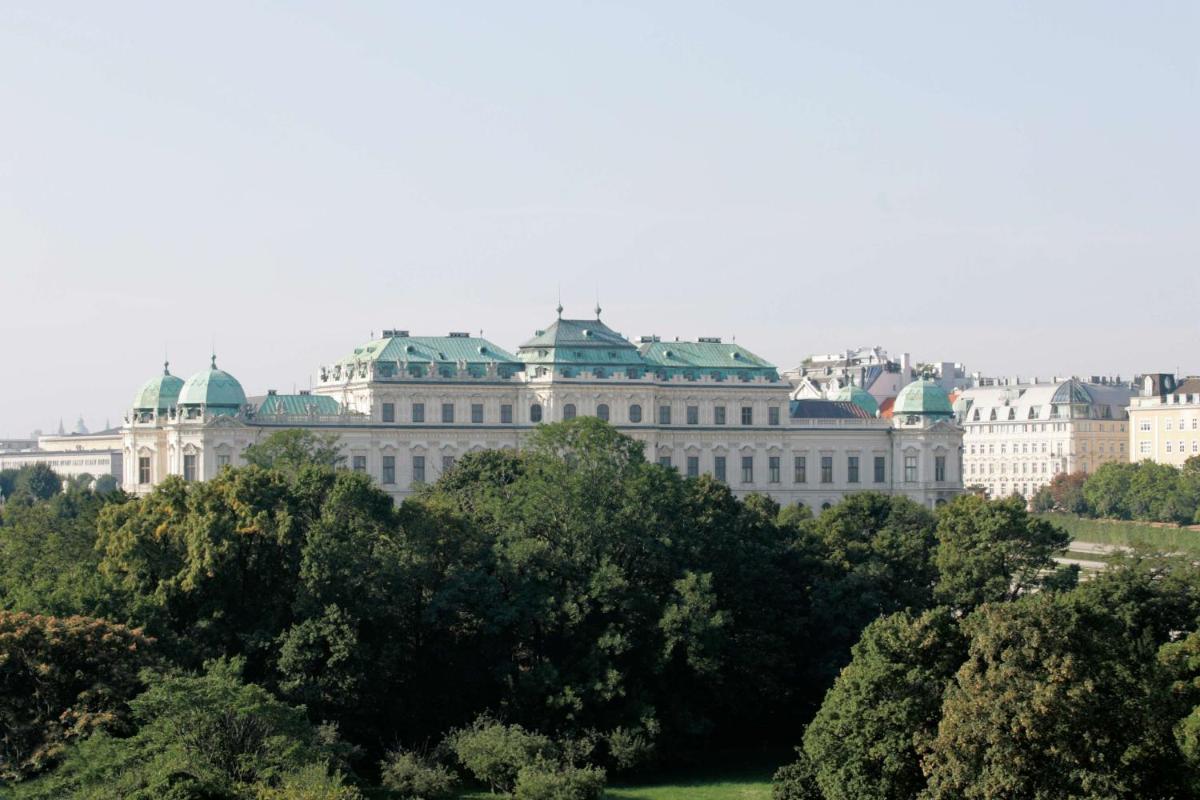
(1164, 419)
(405, 408)
(1017, 437)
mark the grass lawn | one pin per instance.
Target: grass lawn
(704, 784)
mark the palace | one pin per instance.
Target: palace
(406, 407)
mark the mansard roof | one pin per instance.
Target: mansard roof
(399, 346)
(578, 333)
(295, 405)
(708, 355)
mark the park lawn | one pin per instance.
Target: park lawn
(733, 789)
(735, 784)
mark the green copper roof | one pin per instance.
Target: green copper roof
(298, 405)
(860, 397)
(581, 345)
(399, 353)
(214, 388)
(713, 358)
(159, 393)
(923, 397)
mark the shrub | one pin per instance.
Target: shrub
(494, 752)
(796, 781)
(546, 781)
(415, 777)
(629, 747)
(313, 782)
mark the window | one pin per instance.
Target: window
(664, 415)
(418, 469)
(881, 469)
(569, 411)
(602, 412)
(910, 469)
(223, 460)
(773, 469)
(189, 466)
(506, 413)
(635, 413)
(418, 414)
(693, 415)
(826, 469)
(447, 412)
(389, 412)
(800, 469)
(476, 413)
(389, 470)
(939, 468)
(359, 463)
(693, 466)
(852, 469)
(747, 415)
(447, 464)
(773, 415)
(1143, 447)
(664, 461)
(719, 468)
(747, 469)
(535, 412)
(719, 415)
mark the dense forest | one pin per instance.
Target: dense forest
(539, 622)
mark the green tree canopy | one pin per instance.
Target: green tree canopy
(60, 680)
(992, 550)
(866, 740)
(292, 449)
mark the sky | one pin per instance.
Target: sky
(1014, 186)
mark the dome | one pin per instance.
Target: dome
(860, 398)
(159, 393)
(213, 388)
(923, 397)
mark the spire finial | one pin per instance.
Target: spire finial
(559, 309)
(597, 301)
(166, 367)
(214, 360)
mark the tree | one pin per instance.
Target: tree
(1053, 701)
(992, 550)
(209, 736)
(1067, 491)
(874, 556)
(48, 558)
(866, 739)
(62, 679)
(290, 450)
(37, 482)
(106, 484)
(1107, 490)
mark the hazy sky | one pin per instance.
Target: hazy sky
(1011, 185)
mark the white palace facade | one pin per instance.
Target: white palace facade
(406, 407)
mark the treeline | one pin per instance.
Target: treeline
(535, 622)
(1144, 491)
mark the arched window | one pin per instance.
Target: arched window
(569, 411)
(825, 506)
(602, 411)
(535, 412)
(635, 413)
